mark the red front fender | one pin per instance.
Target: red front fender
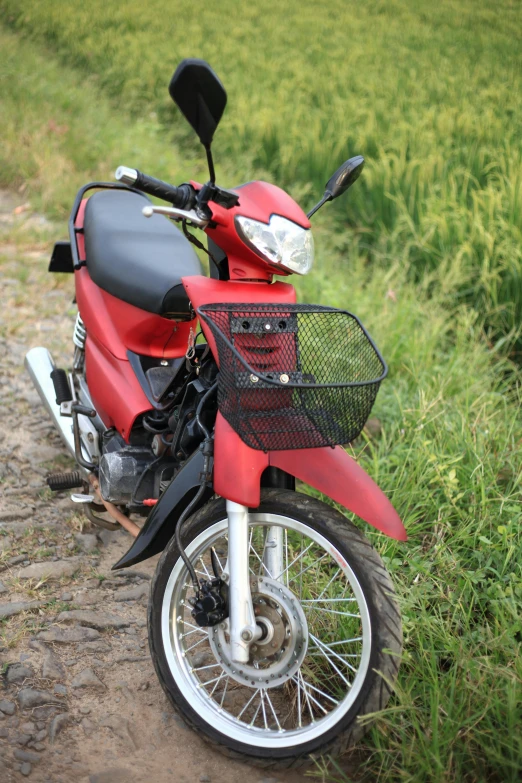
(238, 469)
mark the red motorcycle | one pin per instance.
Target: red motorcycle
(195, 403)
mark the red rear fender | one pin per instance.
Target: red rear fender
(238, 469)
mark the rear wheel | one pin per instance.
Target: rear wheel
(331, 640)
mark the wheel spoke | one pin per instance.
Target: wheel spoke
(251, 699)
(196, 627)
(223, 674)
(295, 560)
(318, 690)
(311, 696)
(205, 569)
(306, 696)
(257, 711)
(334, 611)
(189, 633)
(262, 565)
(261, 691)
(317, 651)
(196, 644)
(273, 711)
(334, 577)
(251, 548)
(330, 661)
(325, 600)
(344, 641)
(209, 682)
(224, 693)
(202, 668)
(312, 565)
(218, 559)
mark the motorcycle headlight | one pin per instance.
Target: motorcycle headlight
(280, 242)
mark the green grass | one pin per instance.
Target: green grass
(59, 131)
(429, 92)
(432, 95)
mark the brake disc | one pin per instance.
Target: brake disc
(278, 654)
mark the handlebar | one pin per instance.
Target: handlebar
(182, 197)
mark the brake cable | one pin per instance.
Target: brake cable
(207, 447)
(195, 241)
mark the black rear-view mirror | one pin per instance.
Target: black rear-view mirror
(200, 96)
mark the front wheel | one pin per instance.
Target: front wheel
(331, 640)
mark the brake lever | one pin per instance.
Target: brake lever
(176, 214)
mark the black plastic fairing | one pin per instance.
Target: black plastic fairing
(161, 522)
(218, 262)
(142, 364)
(275, 478)
(61, 259)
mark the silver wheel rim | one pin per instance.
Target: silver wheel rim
(315, 707)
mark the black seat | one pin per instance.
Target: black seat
(140, 260)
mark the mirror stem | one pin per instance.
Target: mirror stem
(210, 162)
(325, 198)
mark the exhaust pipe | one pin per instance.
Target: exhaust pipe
(39, 365)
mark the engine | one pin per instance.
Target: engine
(161, 441)
(129, 474)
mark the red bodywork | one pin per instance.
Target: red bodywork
(238, 469)
(259, 201)
(114, 327)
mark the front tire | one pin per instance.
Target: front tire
(344, 671)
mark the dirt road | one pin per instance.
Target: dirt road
(79, 700)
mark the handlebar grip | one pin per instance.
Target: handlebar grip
(178, 197)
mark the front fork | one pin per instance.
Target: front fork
(242, 621)
(273, 553)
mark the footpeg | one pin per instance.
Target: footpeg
(82, 498)
(61, 386)
(62, 481)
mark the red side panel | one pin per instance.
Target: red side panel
(120, 326)
(238, 469)
(115, 390)
(114, 327)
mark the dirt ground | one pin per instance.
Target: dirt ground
(79, 699)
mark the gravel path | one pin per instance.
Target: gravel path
(79, 700)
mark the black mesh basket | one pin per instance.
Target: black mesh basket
(293, 376)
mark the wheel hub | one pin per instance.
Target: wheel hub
(282, 646)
